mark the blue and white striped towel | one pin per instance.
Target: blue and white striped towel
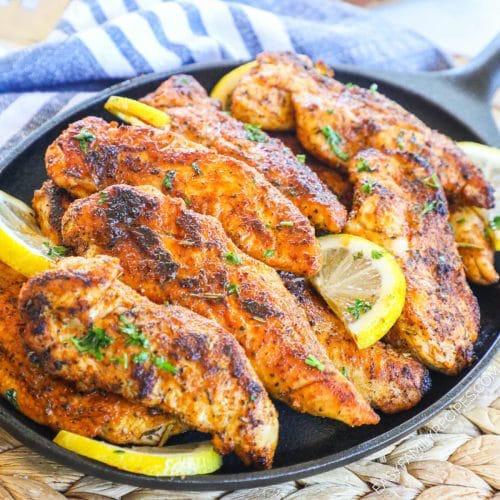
(99, 42)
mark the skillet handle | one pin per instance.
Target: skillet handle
(481, 76)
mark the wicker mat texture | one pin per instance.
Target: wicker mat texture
(454, 456)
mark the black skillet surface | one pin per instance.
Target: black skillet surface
(307, 445)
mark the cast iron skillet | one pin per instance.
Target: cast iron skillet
(454, 102)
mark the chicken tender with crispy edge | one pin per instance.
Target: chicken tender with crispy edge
(170, 253)
(250, 209)
(52, 402)
(80, 318)
(397, 206)
(181, 95)
(392, 381)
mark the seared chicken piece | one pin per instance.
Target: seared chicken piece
(199, 119)
(52, 402)
(399, 207)
(392, 381)
(49, 204)
(337, 182)
(170, 253)
(474, 245)
(259, 220)
(89, 328)
(334, 122)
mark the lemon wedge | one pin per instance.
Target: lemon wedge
(488, 160)
(363, 284)
(136, 113)
(22, 245)
(181, 460)
(225, 86)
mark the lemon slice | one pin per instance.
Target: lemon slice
(22, 245)
(488, 160)
(182, 460)
(225, 86)
(136, 113)
(362, 283)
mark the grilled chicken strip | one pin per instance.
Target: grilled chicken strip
(397, 206)
(170, 253)
(334, 122)
(392, 381)
(50, 401)
(49, 204)
(252, 211)
(199, 119)
(474, 245)
(89, 328)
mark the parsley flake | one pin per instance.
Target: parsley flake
(55, 250)
(135, 337)
(169, 179)
(357, 255)
(11, 397)
(359, 307)
(330, 111)
(254, 133)
(461, 220)
(140, 358)
(432, 181)
(161, 363)
(123, 360)
(102, 198)
(233, 289)
(187, 201)
(334, 140)
(269, 253)
(301, 158)
(367, 187)
(315, 362)
(84, 137)
(399, 140)
(185, 80)
(373, 88)
(95, 340)
(363, 166)
(344, 371)
(495, 223)
(196, 167)
(232, 258)
(377, 254)
(286, 223)
(431, 206)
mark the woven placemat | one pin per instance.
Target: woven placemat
(454, 456)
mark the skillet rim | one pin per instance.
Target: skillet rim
(12, 420)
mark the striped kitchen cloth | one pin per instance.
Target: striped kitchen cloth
(100, 42)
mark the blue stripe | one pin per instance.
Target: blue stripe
(133, 56)
(194, 18)
(246, 30)
(65, 27)
(131, 5)
(97, 12)
(7, 99)
(181, 50)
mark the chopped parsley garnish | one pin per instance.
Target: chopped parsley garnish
(233, 289)
(464, 244)
(119, 451)
(358, 255)
(11, 397)
(399, 140)
(373, 88)
(330, 111)
(123, 360)
(187, 201)
(350, 85)
(377, 254)
(95, 340)
(367, 187)
(84, 137)
(135, 337)
(196, 167)
(184, 80)
(301, 158)
(495, 223)
(286, 223)
(344, 371)
(169, 178)
(363, 166)
(268, 253)
(55, 250)
(140, 358)
(334, 140)
(161, 363)
(359, 307)
(461, 220)
(102, 198)
(292, 192)
(430, 206)
(432, 181)
(232, 258)
(315, 362)
(254, 133)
